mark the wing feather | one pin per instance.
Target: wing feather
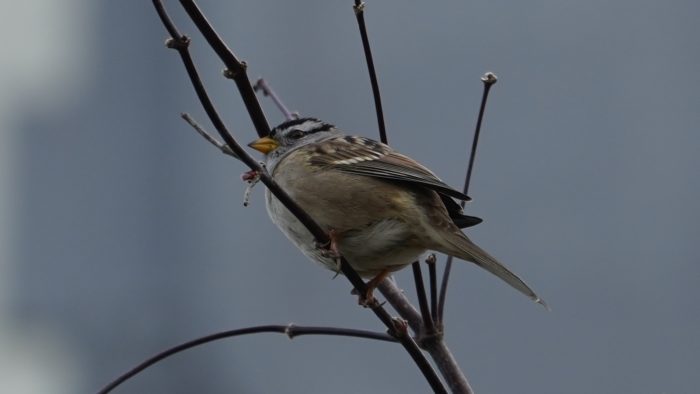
(362, 156)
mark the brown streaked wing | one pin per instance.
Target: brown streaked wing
(362, 156)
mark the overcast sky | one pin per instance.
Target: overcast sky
(123, 233)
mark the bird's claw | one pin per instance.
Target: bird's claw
(367, 300)
(330, 250)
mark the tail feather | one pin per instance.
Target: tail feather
(461, 247)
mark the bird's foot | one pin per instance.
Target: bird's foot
(367, 299)
(330, 250)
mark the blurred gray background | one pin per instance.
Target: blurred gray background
(122, 232)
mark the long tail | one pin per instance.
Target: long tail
(461, 247)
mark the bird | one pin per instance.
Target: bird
(382, 209)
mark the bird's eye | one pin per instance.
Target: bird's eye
(295, 134)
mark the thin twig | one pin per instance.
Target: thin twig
(200, 130)
(488, 79)
(423, 299)
(359, 8)
(290, 330)
(396, 330)
(262, 85)
(431, 261)
(428, 325)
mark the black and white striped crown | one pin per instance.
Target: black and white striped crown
(304, 126)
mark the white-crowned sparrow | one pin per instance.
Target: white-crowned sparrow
(383, 208)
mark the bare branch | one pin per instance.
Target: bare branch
(400, 303)
(262, 85)
(200, 130)
(359, 8)
(433, 344)
(428, 325)
(290, 330)
(235, 69)
(488, 79)
(447, 364)
(431, 261)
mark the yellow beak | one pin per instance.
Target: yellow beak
(264, 145)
